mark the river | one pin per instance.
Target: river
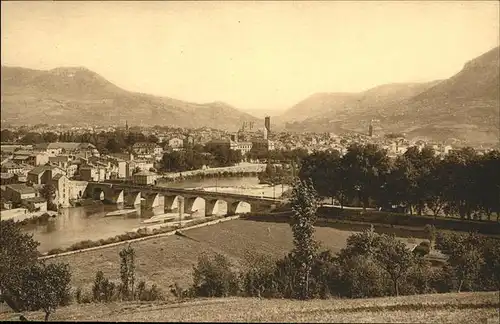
(77, 224)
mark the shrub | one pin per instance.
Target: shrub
(422, 249)
(259, 278)
(213, 277)
(103, 289)
(361, 277)
(55, 251)
(418, 280)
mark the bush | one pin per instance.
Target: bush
(103, 290)
(213, 277)
(259, 278)
(422, 249)
(361, 277)
(55, 251)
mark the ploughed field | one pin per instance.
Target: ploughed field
(479, 307)
(166, 260)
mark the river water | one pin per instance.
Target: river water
(77, 224)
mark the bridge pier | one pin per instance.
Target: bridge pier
(118, 197)
(188, 204)
(210, 206)
(231, 207)
(133, 199)
(152, 200)
(168, 202)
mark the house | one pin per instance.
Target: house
(43, 174)
(34, 159)
(35, 204)
(8, 178)
(71, 148)
(60, 182)
(17, 192)
(143, 148)
(62, 161)
(94, 172)
(263, 144)
(11, 167)
(175, 143)
(144, 178)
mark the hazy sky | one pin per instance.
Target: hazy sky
(252, 55)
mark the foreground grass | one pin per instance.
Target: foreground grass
(438, 308)
(166, 260)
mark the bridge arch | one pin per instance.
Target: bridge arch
(238, 207)
(215, 207)
(171, 203)
(194, 205)
(98, 194)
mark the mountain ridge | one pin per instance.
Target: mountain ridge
(72, 95)
(464, 107)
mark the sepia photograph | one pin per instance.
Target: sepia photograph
(250, 161)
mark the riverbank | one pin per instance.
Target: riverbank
(23, 215)
(243, 169)
(137, 235)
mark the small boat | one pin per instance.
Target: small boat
(120, 212)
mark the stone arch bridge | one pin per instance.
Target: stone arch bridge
(154, 196)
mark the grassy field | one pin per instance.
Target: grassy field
(439, 308)
(167, 260)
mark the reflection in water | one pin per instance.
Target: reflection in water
(77, 224)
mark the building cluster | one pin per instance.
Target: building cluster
(26, 169)
(248, 138)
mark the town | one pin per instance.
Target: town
(290, 161)
(28, 162)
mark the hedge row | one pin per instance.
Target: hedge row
(384, 218)
(381, 217)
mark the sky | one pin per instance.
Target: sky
(251, 55)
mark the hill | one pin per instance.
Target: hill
(464, 106)
(76, 95)
(438, 308)
(337, 105)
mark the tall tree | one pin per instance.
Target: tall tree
(395, 258)
(304, 201)
(367, 168)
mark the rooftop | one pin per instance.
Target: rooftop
(35, 200)
(21, 188)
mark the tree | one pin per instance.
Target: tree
(48, 192)
(152, 139)
(462, 192)
(212, 277)
(326, 172)
(46, 287)
(464, 255)
(50, 137)
(366, 168)
(304, 202)
(26, 283)
(430, 233)
(127, 271)
(18, 252)
(7, 136)
(437, 186)
(395, 258)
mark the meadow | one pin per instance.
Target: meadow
(480, 307)
(166, 260)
